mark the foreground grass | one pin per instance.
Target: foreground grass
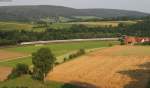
(27, 82)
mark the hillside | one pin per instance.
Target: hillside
(37, 12)
(113, 13)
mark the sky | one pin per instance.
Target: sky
(138, 5)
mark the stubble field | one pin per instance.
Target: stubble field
(116, 67)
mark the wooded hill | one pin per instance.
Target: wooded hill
(36, 12)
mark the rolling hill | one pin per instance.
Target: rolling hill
(36, 12)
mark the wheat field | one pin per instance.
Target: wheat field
(107, 68)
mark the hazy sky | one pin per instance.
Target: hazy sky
(139, 5)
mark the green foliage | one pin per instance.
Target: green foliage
(141, 29)
(65, 59)
(57, 63)
(110, 44)
(144, 43)
(148, 84)
(75, 32)
(122, 42)
(27, 82)
(43, 61)
(77, 54)
(4, 42)
(81, 52)
(20, 69)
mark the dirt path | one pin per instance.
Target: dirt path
(4, 72)
(105, 69)
(6, 55)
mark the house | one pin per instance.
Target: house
(132, 40)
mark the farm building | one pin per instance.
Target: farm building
(132, 40)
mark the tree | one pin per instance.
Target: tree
(20, 69)
(43, 61)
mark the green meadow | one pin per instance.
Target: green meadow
(62, 48)
(58, 49)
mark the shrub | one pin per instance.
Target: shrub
(71, 56)
(110, 44)
(144, 43)
(20, 69)
(122, 42)
(57, 63)
(81, 51)
(78, 53)
(148, 84)
(65, 59)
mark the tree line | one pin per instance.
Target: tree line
(10, 37)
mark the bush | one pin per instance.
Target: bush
(122, 42)
(78, 53)
(71, 56)
(110, 44)
(144, 43)
(81, 52)
(148, 84)
(65, 59)
(5, 42)
(57, 63)
(20, 69)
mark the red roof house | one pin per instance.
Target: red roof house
(133, 40)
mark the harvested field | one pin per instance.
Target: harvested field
(116, 67)
(6, 55)
(4, 72)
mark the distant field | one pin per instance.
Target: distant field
(87, 17)
(27, 26)
(131, 51)
(104, 23)
(60, 25)
(15, 26)
(90, 24)
(57, 49)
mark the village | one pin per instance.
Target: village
(130, 40)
